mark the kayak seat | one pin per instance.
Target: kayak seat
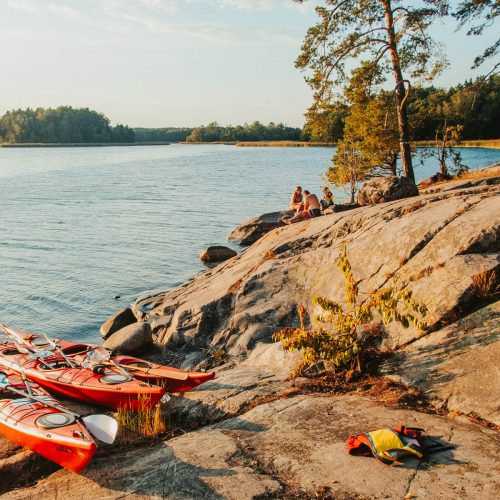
(75, 349)
(54, 365)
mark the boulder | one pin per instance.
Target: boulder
(253, 229)
(117, 321)
(217, 253)
(382, 189)
(131, 340)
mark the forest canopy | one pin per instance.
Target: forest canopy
(64, 124)
(474, 104)
(256, 131)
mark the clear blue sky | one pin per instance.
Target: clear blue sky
(160, 63)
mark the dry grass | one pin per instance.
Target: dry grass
(485, 285)
(413, 207)
(478, 174)
(135, 424)
(286, 144)
(478, 143)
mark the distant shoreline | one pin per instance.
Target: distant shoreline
(478, 143)
(79, 144)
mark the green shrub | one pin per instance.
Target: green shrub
(341, 336)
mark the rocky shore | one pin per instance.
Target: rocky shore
(254, 432)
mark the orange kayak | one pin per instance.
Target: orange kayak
(108, 388)
(54, 434)
(170, 378)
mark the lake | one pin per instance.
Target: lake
(84, 231)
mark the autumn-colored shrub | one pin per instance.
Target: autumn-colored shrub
(144, 422)
(340, 335)
(485, 285)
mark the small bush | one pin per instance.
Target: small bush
(485, 285)
(342, 336)
(144, 422)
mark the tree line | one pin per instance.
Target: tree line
(256, 131)
(474, 104)
(61, 125)
(166, 134)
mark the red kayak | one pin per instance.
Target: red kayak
(48, 431)
(109, 387)
(172, 379)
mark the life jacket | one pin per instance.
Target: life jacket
(388, 445)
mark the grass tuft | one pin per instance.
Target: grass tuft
(135, 424)
(485, 285)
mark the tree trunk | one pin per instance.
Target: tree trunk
(404, 129)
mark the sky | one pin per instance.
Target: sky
(158, 63)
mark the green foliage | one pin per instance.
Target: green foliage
(325, 122)
(256, 131)
(480, 14)
(61, 125)
(450, 159)
(167, 134)
(341, 336)
(474, 104)
(348, 167)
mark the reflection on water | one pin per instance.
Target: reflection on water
(80, 226)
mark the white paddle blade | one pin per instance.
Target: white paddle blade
(102, 427)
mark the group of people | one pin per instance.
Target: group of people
(306, 205)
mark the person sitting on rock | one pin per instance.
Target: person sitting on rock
(327, 200)
(296, 202)
(311, 209)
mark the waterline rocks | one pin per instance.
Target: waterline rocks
(120, 319)
(217, 253)
(132, 339)
(383, 189)
(253, 229)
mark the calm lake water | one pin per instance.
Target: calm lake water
(80, 226)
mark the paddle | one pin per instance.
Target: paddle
(102, 355)
(60, 351)
(102, 427)
(160, 372)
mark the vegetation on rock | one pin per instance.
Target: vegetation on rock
(342, 336)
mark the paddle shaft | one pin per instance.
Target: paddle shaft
(60, 351)
(159, 372)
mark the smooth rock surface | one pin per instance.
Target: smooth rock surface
(383, 189)
(117, 321)
(132, 339)
(458, 366)
(253, 229)
(435, 243)
(289, 447)
(217, 253)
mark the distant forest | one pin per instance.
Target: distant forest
(475, 105)
(61, 125)
(256, 131)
